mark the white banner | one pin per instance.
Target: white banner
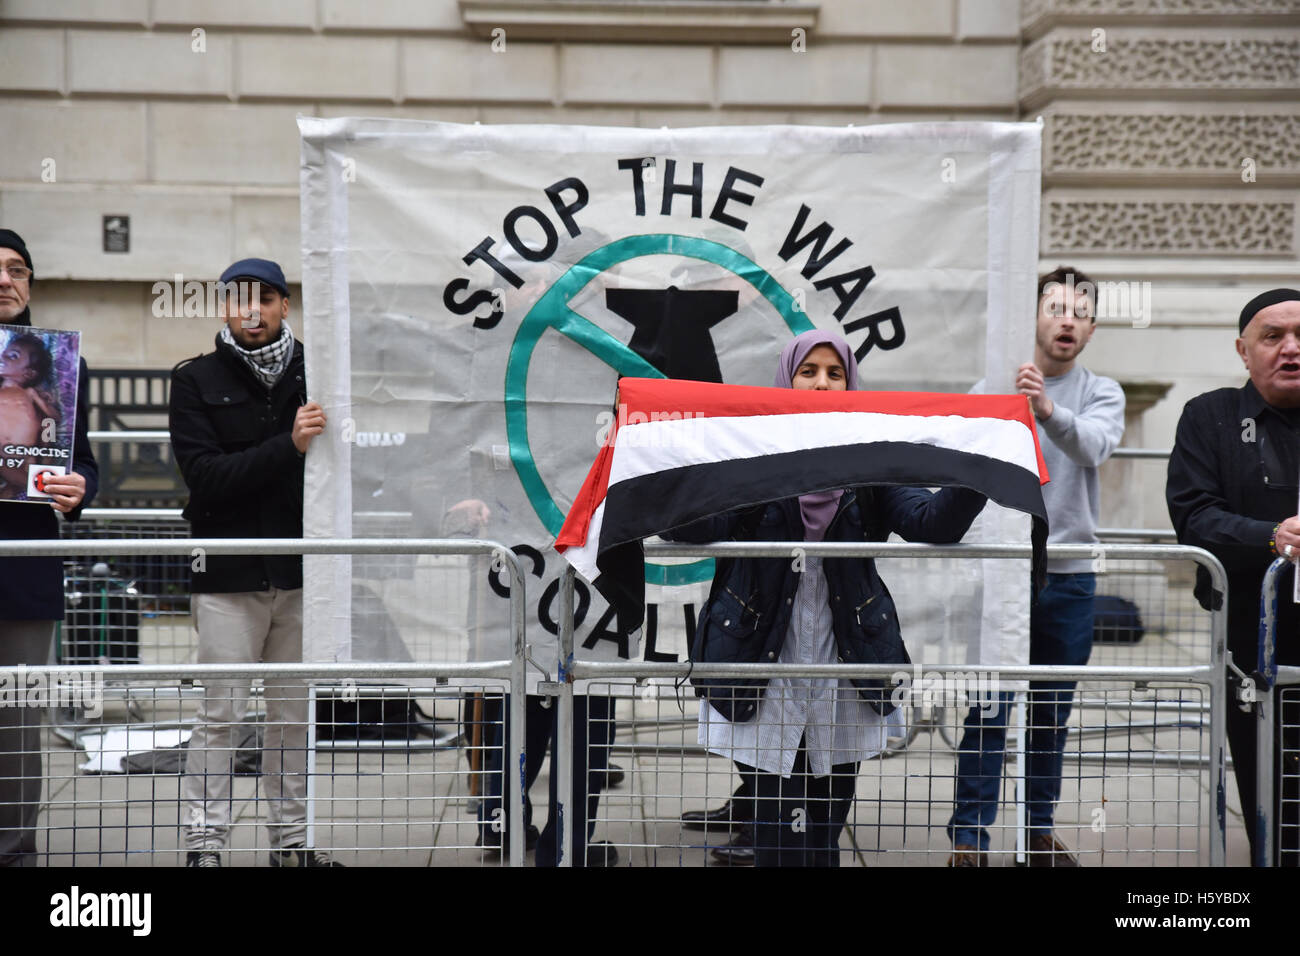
(472, 293)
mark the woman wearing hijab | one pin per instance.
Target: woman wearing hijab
(806, 737)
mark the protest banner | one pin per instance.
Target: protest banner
(473, 293)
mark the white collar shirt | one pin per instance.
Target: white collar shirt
(835, 725)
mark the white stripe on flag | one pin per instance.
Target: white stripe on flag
(583, 558)
(658, 446)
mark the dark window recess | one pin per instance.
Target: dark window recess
(134, 474)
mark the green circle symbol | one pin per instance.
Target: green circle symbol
(552, 311)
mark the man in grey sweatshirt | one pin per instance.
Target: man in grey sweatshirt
(1080, 422)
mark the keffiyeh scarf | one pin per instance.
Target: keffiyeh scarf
(269, 362)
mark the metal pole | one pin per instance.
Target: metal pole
(563, 757)
(311, 763)
(517, 759)
(1157, 454)
(325, 672)
(1219, 704)
(141, 436)
(1019, 705)
(247, 546)
(875, 549)
(1266, 668)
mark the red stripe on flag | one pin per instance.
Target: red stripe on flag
(574, 531)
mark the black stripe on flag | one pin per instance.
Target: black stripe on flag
(648, 504)
(639, 507)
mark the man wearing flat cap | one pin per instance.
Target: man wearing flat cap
(240, 427)
(31, 589)
(1234, 476)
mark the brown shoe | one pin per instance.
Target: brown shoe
(1046, 850)
(963, 854)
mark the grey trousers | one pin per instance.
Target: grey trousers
(248, 627)
(21, 770)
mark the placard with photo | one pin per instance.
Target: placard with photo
(38, 408)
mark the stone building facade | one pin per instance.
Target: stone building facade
(1171, 135)
(1171, 156)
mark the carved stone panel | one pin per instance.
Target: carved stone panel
(1106, 227)
(1074, 60)
(1176, 143)
(1031, 10)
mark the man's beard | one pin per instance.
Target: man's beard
(1051, 347)
(252, 345)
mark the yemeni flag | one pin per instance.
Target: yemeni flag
(683, 450)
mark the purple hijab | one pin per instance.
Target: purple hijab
(818, 508)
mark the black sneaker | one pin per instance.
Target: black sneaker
(298, 856)
(203, 858)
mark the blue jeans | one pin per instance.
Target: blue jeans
(1060, 632)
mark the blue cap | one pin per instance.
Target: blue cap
(263, 270)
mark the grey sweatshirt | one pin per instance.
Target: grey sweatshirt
(1086, 425)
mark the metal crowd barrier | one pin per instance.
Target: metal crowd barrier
(1160, 782)
(1162, 767)
(126, 609)
(1277, 738)
(131, 817)
(147, 597)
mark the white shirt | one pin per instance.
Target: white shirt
(836, 725)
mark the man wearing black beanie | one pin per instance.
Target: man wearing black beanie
(31, 589)
(1234, 477)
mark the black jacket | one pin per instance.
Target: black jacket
(747, 614)
(1233, 474)
(31, 589)
(232, 442)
